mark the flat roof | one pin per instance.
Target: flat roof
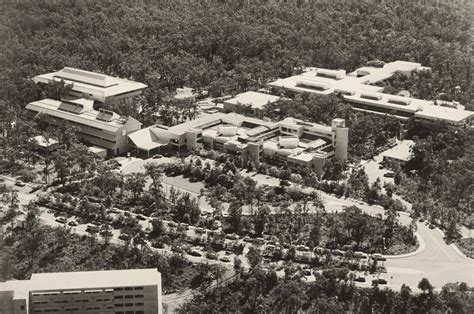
(254, 99)
(86, 81)
(358, 86)
(444, 113)
(400, 152)
(82, 280)
(86, 116)
(95, 279)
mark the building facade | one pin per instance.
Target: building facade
(291, 142)
(102, 128)
(107, 292)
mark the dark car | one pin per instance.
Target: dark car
(389, 175)
(124, 237)
(140, 217)
(72, 223)
(126, 214)
(157, 244)
(61, 220)
(211, 255)
(194, 253)
(359, 279)
(379, 281)
(225, 259)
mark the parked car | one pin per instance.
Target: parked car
(127, 214)
(302, 248)
(247, 239)
(157, 156)
(61, 220)
(140, 217)
(379, 281)
(224, 259)
(306, 272)
(338, 252)
(92, 228)
(258, 241)
(72, 223)
(359, 279)
(157, 244)
(232, 236)
(389, 175)
(19, 183)
(113, 211)
(124, 237)
(361, 255)
(211, 255)
(194, 253)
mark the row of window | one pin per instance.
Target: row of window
(130, 312)
(129, 304)
(128, 296)
(128, 288)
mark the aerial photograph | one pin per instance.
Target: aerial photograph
(236, 156)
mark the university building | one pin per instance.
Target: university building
(90, 85)
(360, 89)
(101, 128)
(94, 292)
(290, 142)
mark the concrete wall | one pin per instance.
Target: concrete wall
(342, 142)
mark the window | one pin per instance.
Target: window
(128, 289)
(22, 307)
(129, 296)
(119, 305)
(138, 288)
(119, 312)
(128, 304)
(138, 296)
(140, 312)
(118, 297)
(118, 289)
(139, 304)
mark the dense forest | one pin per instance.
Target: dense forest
(230, 47)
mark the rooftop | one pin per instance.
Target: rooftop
(400, 152)
(444, 113)
(253, 99)
(356, 88)
(79, 111)
(91, 82)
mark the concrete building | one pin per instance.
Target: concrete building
(101, 128)
(290, 142)
(45, 144)
(400, 154)
(360, 90)
(90, 85)
(106, 292)
(251, 101)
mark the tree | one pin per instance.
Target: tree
(187, 209)
(154, 171)
(425, 286)
(135, 183)
(105, 232)
(159, 228)
(254, 257)
(235, 216)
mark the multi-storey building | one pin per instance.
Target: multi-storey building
(90, 85)
(360, 90)
(94, 292)
(102, 128)
(292, 142)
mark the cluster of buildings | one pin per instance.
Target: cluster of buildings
(136, 291)
(292, 142)
(230, 128)
(359, 88)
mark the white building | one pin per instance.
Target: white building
(290, 142)
(359, 89)
(90, 85)
(102, 128)
(252, 101)
(108, 292)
